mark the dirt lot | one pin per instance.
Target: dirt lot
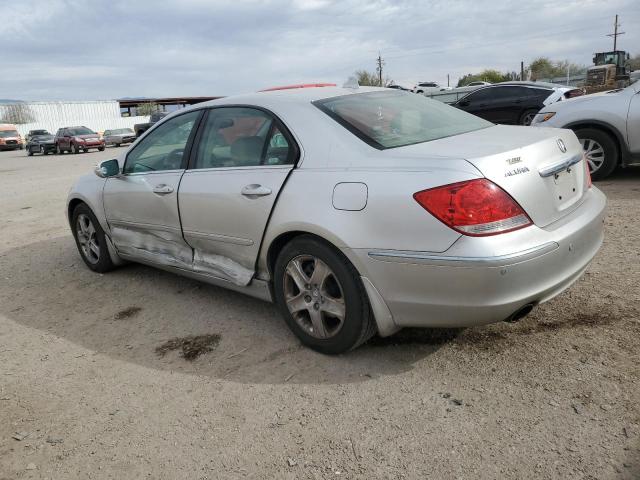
(87, 395)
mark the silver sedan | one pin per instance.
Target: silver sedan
(356, 210)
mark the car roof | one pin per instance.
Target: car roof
(291, 95)
(534, 84)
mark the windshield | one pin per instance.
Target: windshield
(120, 130)
(8, 133)
(80, 131)
(394, 119)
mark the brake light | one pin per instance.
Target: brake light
(302, 85)
(476, 207)
(587, 172)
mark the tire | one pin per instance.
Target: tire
(75, 149)
(101, 149)
(339, 289)
(527, 117)
(29, 152)
(42, 150)
(90, 240)
(59, 151)
(601, 151)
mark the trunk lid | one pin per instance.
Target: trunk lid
(541, 168)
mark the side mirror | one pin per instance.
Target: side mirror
(108, 168)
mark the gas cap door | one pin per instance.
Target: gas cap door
(350, 196)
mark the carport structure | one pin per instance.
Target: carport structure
(128, 106)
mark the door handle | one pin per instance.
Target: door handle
(162, 189)
(255, 190)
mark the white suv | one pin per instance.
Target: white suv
(607, 124)
(428, 87)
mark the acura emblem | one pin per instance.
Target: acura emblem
(561, 146)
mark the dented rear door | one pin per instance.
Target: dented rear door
(241, 162)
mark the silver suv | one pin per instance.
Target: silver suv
(607, 124)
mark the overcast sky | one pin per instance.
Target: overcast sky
(83, 49)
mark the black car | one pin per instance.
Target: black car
(514, 103)
(43, 143)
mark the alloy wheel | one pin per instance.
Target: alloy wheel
(42, 149)
(528, 118)
(88, 239)
(314, 296)
(594, 154)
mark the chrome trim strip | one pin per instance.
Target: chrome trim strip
(457, 261)
(560, 166)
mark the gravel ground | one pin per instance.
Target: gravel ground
(93, 382)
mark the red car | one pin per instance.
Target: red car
(77, 139)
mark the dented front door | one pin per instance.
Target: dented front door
(226, 196)
(141, 205)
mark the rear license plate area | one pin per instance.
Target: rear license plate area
(566, 188)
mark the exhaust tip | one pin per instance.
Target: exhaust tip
(520, 313)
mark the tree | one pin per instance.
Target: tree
(147, 108)
(488, 75)
(370, 79)
(543, 67)
(634, 62)
(18, 113)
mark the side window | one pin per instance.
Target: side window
(240, 137)
(163, 148)
(481, 95)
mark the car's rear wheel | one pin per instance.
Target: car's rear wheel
(527, 117)
(321, 296)
(90, 239)
(600, 151)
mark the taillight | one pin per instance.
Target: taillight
(587, 172)
(574, 93)
(476, 207)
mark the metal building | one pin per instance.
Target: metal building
(96, 115)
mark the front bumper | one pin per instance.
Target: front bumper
(482, 280)
(91, 144)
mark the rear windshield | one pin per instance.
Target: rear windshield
(80, 131)
(8, 133)
(120, 130)
(394, 119)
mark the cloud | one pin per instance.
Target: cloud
(72, 49)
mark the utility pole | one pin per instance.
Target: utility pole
(522, 71)
(615, 34)
(380, 63)
(447, 79)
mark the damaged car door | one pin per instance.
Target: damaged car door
(239, 163)
(141, 205)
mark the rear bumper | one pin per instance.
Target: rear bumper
(465, 286)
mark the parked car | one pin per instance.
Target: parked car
(478, 83)
(513, 103)
(428, 87)
(119, 137)
(607, 125)
(355, 210)
(155, 117)
(398, 87)
(33, 133)
(77, 139)
(10, 139)
(43, 143)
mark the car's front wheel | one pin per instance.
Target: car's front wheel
(74, 148)
(29, 152)
(600, 151)
(527, 117)
(90, 239)
(58, 150)
(101, 149)
(321, 296)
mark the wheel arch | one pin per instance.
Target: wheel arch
(609, 130)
